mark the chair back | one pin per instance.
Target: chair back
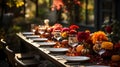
(19, 63)
(10, 55)
(28, 62)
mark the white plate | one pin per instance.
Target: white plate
(46, 43)
(39, 39)
(57, 49)
(76, 58)
(97, 66)
(32, 36)
(27, 33)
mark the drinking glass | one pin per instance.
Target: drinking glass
(41, 29)
(57, 35)
(72, 41)
(100, 51)
(33, 26)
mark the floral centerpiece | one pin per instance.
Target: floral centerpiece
(64, 34)
(56, 32)
(101, 43)
(71, 30)
(72, 40)
(97, 38)
(83, 38)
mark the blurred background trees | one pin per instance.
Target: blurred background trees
(85, 13)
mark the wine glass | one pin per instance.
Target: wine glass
(100, 51)
(73, 42)
(57, 35)
(41, 29)
(33, 27)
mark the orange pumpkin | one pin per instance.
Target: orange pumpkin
(115, 58)
(79, 48)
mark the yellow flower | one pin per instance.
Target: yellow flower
(64, 34)
(99, 36)
(107, 45)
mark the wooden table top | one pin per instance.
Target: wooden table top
(55, 58)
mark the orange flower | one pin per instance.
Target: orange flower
(99, 36)
(64, 34)
(107, 45)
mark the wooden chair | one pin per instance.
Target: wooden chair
(20, 59)
(2, 47)
(10, 56)
(28, 62)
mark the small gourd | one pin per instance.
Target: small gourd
(115, 58)
(85, 51)
(97, 47)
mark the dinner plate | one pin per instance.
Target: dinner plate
(46, 43)
(57, 49)
(32, 36)
(39, 39)
(97, 66)
(27, 33)
(76, 58)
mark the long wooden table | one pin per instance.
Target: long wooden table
(44, 52)
(56, 59)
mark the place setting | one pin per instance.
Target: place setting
(32, 36)
(57, 50)
(28, 33)
(73, 57)
(45, 44)
(39, 39)
(76, 60)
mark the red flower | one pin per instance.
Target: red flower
(83, 36)
(108, 29)
(74, 27)
(65, 29)
(73, 32)
(57, 28)
(117, 46)
(57, 25)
